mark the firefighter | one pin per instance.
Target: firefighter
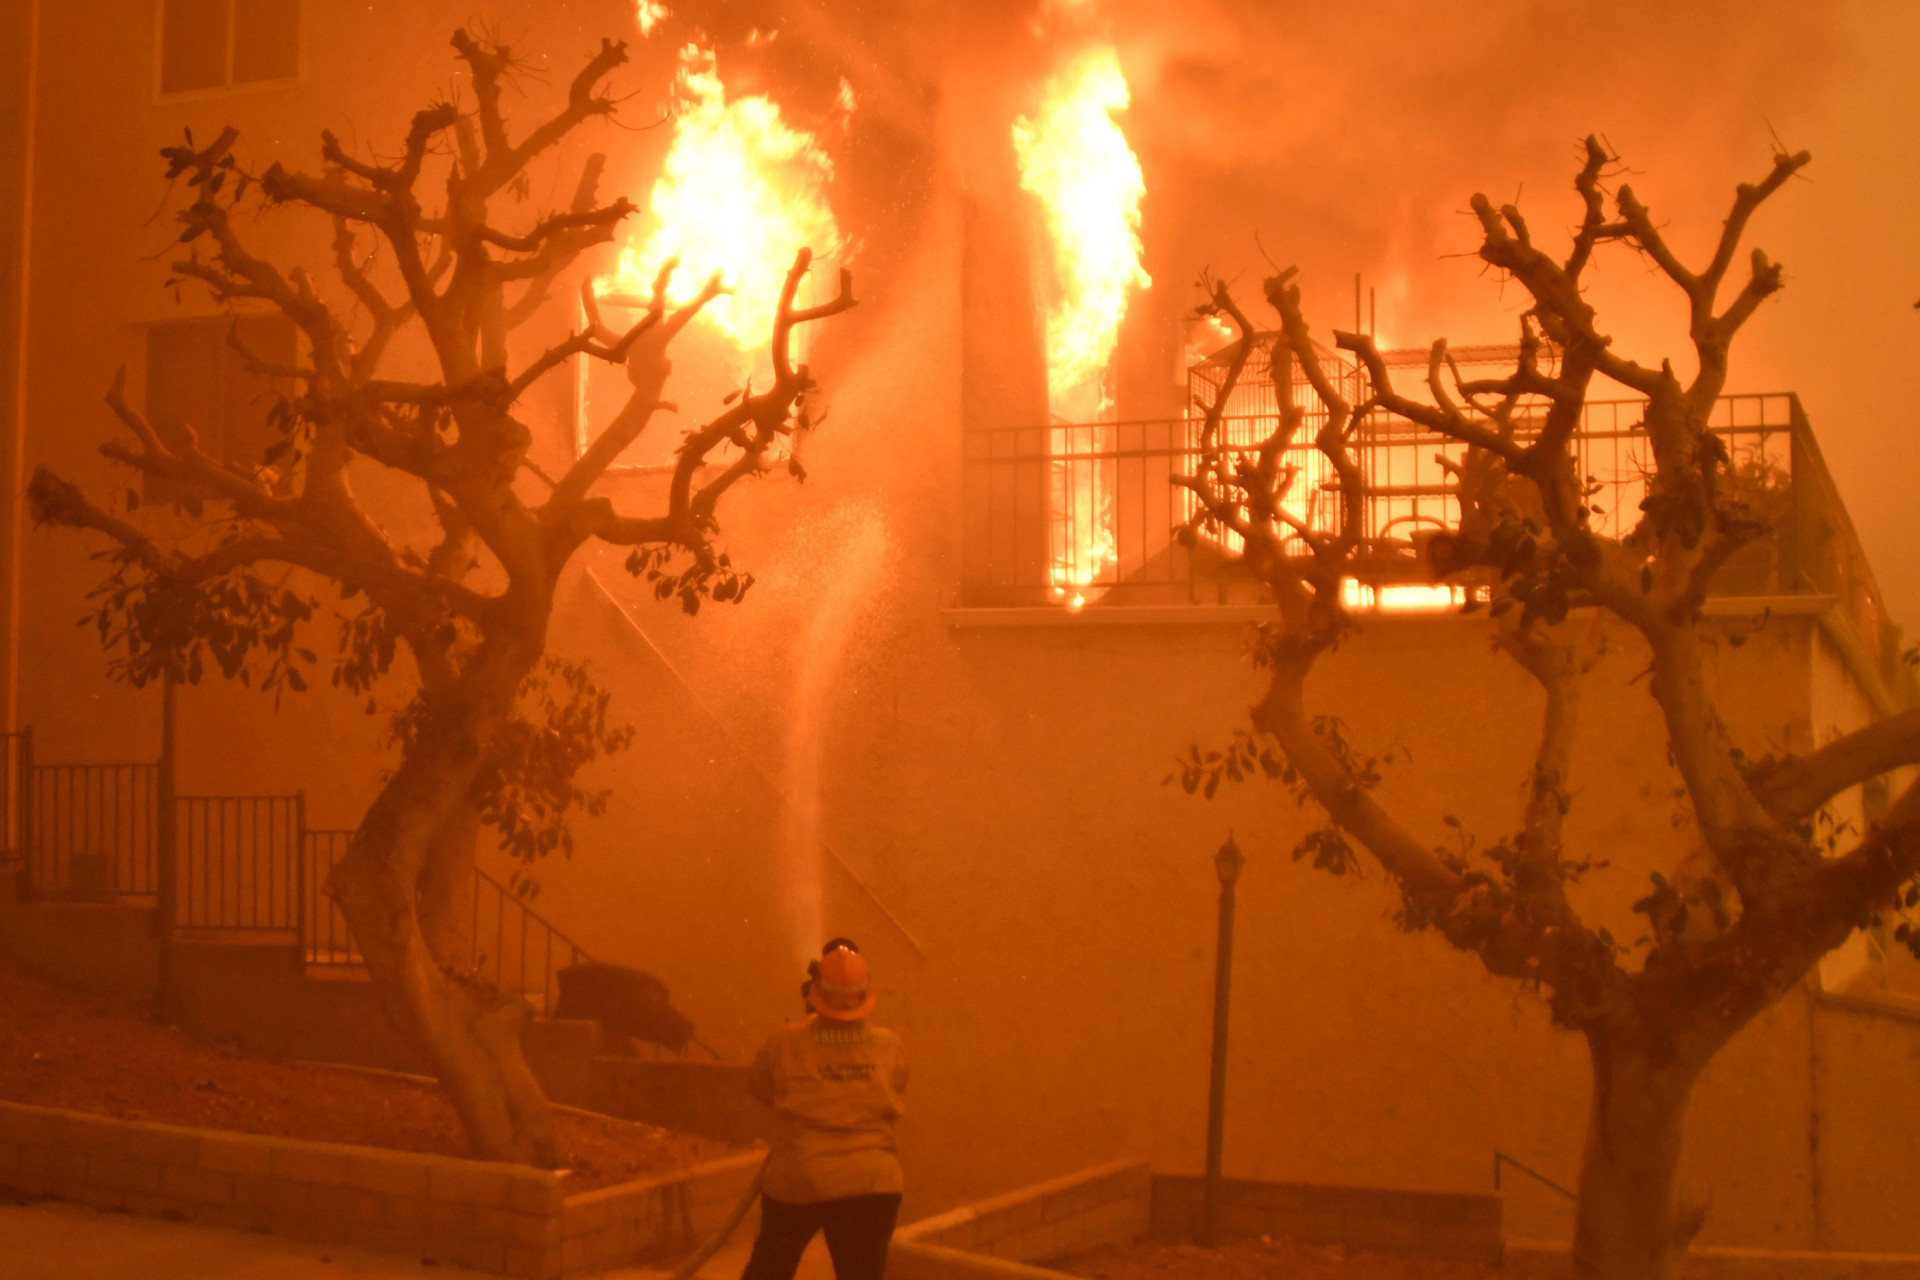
(834, 1082)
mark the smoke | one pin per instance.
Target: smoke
(1349, 138)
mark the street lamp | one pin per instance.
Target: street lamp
(1228, 863)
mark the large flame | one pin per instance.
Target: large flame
(741, 191)
(1075, 160)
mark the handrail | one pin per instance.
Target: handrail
(552, 934)
(538, 918)
(249, 863)
(325, 939)
(1501, 1157)
(1788, 400)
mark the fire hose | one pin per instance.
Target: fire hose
(713, 1242)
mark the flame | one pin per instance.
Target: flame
(1074, 158)
(741, 191)
(649, 14)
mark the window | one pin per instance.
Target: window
(195, 378)
(210, 44)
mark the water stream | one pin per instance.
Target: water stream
(848, 566)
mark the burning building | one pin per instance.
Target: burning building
(942, 719)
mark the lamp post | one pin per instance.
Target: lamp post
(1228, 863)
(167, 890)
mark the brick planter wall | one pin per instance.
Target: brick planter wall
(507, 1219)
(652, 1221)
(1110, 1204)
(1541, 1260)
(1428, 1222)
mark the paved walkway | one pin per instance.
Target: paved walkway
(48, 1240)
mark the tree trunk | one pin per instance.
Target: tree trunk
(400, 888)
(1629, 1224)
(445, 900)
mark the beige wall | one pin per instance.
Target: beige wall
(1868, 1124)
(995, 790)
(17, 44)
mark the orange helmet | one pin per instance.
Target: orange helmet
(843, 990)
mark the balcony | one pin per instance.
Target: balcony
(1081, 515)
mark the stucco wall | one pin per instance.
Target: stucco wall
(1868, 1124)
(1010, 812)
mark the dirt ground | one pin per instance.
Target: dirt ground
(1263, 1259)
(60, 1048)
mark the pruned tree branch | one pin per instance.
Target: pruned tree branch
(1794, 789)
(487, 64)
(647, 369)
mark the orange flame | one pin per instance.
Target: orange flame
(648, 14)
(1075, 159)
(741, 191)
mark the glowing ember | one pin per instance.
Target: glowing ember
(740, 193)
(649, 14)
(1407, 597)
(1074, 158)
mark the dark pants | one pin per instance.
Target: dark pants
(858, 1229)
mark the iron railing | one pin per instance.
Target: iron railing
(1027, 492)
(1501, 1159)
(523, 944)
(91, 831)
(324, 935)
(238, 862)
(511, 944)
(242, 864)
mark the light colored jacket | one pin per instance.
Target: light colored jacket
(835, 1091)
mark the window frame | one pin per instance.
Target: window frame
(228, 87)
(580, 404)
(141, 367)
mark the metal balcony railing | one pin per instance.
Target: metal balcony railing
(1089, 509)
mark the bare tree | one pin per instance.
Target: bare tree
(1748, 913)
(472, 608)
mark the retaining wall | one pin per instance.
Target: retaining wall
(1435, 1223)
(104, 947)
(1540, 1260)
(1109, 1204)
(507, 1219)
(256, 995)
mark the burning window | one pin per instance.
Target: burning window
(742, 189)
(195, 378)
(211, 44)
(1075, 160)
